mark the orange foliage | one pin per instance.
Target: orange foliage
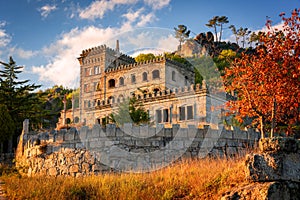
(271, 73)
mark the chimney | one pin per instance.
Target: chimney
(117, 46)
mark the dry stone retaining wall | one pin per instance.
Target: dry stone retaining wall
(90, 151)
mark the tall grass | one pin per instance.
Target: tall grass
(193, 179)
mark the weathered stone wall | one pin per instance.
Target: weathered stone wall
(130, 148)
(273, 173)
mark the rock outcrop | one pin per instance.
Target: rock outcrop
(274, 173)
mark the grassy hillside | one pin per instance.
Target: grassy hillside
(196, 179)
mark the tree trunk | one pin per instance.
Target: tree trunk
(10, 145)
(262, 127)
(273, 118)
(216, 33)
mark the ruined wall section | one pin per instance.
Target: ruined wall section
(92, 151)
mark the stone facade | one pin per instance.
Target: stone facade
(165, 87)
(131, 148)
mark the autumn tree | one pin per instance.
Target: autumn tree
(266, 83)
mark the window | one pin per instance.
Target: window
(95, 86)
(173, 76)
(86, 72)
(111, 83)
(98, 86)
(155, 91)
(155, 74)
(158, 116)
(133, 80)
(181, 113)
(96, 70)
(165, 115)
(76, 120)
(145, 78)
(86, 88)
(111, 99)
(186, 80)
(90, 71)
(190, 114)
(121, 81)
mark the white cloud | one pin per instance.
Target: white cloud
(25, 54)
(46, 10)
(5, 38)
(63, 67)
(169, 43)
(138, 19)
(97, 9)
(157, 4)
(133, 16)
(146, 19)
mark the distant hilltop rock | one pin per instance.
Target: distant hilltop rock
(191, 49)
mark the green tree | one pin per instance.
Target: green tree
(243, 33)
(6, 126)
(53, 103)
(254, 37)
(130, 111)
(235, 33)
(215, 22)
(182, 34)
(224, 59)
(16, 95)
(144, 57)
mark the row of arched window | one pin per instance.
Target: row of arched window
(112, 82)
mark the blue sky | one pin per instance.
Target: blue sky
(46, 36)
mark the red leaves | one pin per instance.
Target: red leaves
(272, 72)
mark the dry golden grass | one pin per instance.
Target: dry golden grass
(196, 179)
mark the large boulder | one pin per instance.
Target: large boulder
(273, 173)
(279, 160)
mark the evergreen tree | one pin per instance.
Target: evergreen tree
(130, 111)
(16, 95)
(182, 34)
(6, 126)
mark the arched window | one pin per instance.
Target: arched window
(111, 99)
(155, 74)
(121, 81)
(133, 79)
(76, 120)
(186, 80)
(173, 76)
(111, 83)
(155, 91)
(145, 76)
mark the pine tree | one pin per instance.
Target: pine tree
(6, 126)
(16, 95)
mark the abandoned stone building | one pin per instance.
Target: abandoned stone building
(165, 87)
